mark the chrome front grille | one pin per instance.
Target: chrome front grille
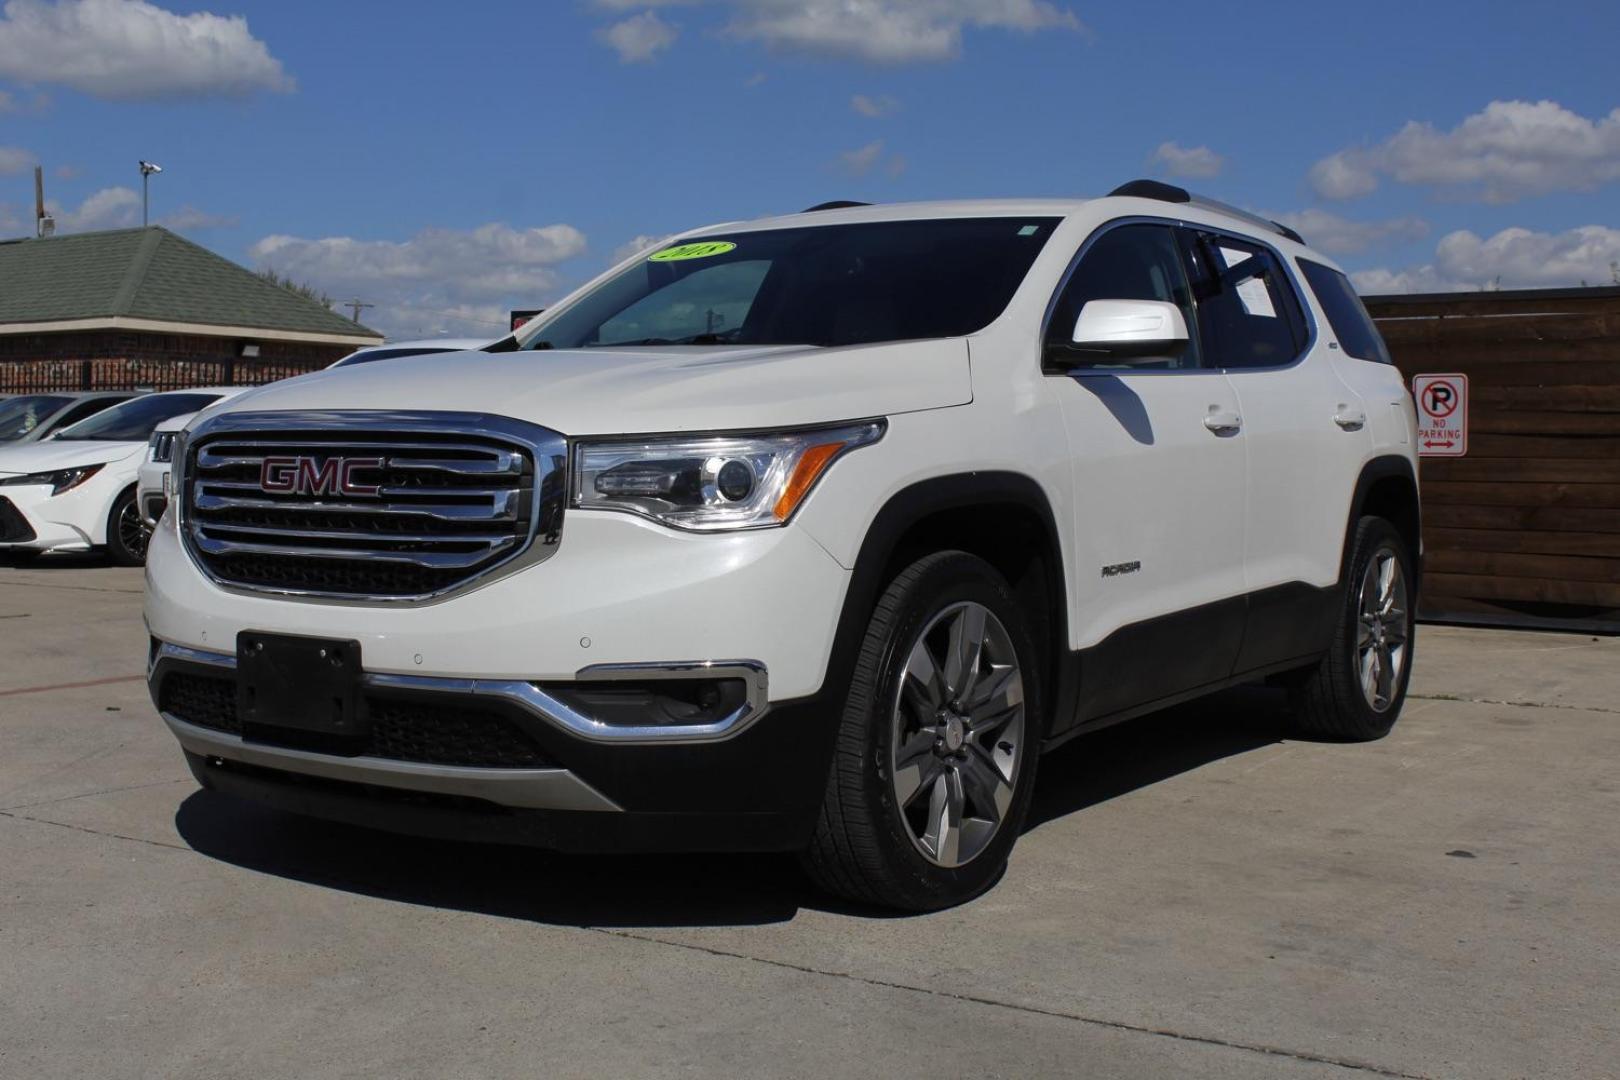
(369, 505)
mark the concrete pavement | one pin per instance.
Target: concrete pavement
(1198, 895)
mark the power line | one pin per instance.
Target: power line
(357, 305)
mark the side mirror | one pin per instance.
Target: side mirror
(1123, 332)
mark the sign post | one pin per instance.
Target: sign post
(1442, 414)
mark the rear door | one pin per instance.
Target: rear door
(1158, 489)
(1305, 435)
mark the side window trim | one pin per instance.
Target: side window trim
(1286, 272)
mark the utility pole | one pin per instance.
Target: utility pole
(356, 305)
(44, 224)
(147, 169)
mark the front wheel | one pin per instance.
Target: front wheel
(935, 760)
(127, 534)
(1356, 691)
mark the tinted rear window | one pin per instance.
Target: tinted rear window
(1345, 313)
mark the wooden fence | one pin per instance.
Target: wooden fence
(1524, 530)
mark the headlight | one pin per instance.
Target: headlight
(61, 480)
(712, 482)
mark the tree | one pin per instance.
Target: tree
(308, 292)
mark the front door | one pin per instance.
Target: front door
(1158, 471)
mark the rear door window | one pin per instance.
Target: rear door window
(1248, 314)
(1354, 328)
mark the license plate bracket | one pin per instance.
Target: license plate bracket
(291, 685)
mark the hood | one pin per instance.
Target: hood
(608, 391)
(48, 455)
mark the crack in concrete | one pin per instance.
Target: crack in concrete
(91, 794)
(1303, 1056)
(1115, 1025)
(97, 832)
(72, 685)
(1515, 704)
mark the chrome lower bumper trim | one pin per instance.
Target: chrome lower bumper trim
(552, 710)
(526, 789)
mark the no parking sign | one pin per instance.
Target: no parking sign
(1442, 414)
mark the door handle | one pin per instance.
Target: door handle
(1350, 419)
(1223, 421)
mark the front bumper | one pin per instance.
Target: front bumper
(34, 520)
(750, 782)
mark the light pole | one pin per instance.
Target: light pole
(147, 169)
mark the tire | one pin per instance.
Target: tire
(971, 759)
(1337, 699)
(127, 534)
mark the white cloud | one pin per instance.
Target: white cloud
(635, 246)
(14, 159)
(190, 219)
(879, 31)
(133, 50)
(1337, 235)
(873, 107)
(1512, 259)
(120, 208)
(1195, 161)
(109, 208)
(859, 162)
(1508, 151)
(886, 31)
(640, 37)
(440, 280)
(863, 159)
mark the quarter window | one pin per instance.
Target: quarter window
(1248, 315)
(1132, 262)
(1345, 313)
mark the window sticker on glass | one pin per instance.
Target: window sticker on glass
(700, 250)
(1029, 230)
(1252, 291)
(1256, 297)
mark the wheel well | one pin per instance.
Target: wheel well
(1015, 540)
(1395, 499)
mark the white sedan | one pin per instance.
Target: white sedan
(152, 484)
(76, 490)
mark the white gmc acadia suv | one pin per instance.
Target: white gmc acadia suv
(808, 533)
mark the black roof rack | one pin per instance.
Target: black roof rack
(836, 204)
(1155, 189)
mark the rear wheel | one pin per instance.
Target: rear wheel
(935, 761)
(127, 534)
(1357, 689)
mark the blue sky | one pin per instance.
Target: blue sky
(446, 162)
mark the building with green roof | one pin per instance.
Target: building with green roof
(136, 308)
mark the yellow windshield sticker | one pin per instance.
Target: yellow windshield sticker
(702, 250)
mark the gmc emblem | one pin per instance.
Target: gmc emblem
(311, 476)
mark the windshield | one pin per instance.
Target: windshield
(134, 420)
(819, 285)
(21, 415)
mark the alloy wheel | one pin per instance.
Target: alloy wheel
(1383, 630)
(958, 734)
(133, 533)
